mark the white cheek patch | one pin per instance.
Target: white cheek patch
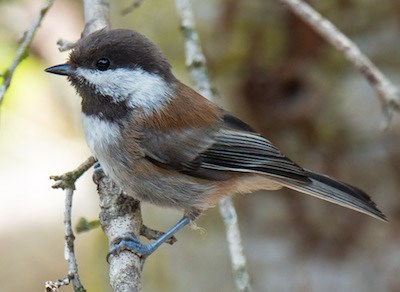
(140, 88)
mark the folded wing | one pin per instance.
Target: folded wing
(232, 146)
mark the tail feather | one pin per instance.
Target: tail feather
(329, 189)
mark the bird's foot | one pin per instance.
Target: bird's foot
(130, 243)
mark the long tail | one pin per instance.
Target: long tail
(337, 192)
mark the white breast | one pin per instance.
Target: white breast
(102, 137)
(99, 132)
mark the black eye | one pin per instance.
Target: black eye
(103, 64)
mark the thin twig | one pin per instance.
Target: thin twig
(23, 49)
(53, 286)
(69, 251)
(135, 4)
(196, 63)
(68, 179)
(67, 183)
(238, 259)
(195, 59)
(64, 45)
(387, 93)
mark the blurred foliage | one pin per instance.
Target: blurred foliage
(84, 225)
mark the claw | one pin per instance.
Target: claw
(98, 172)
(97, 165)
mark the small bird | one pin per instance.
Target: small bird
(164, 143)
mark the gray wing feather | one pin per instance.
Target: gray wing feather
(176, 149)
(249, 152)
(208, 153)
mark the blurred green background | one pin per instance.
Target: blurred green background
(271, 70)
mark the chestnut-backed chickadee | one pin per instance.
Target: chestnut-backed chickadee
(164, 143)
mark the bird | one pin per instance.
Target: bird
(164, 143)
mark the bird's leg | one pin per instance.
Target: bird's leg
(130, 242)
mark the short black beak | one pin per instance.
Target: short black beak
(63, 69)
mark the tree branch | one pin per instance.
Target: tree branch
(196, 63)
(23, 49)
(238, 259)
(68, 179)
(195, 59)
(387, 93)
(96, 14)
(119, 213)
(67, 183)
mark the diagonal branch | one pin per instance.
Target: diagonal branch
(196, 63)
(386, 91)
(23, 49)
(68, 179)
